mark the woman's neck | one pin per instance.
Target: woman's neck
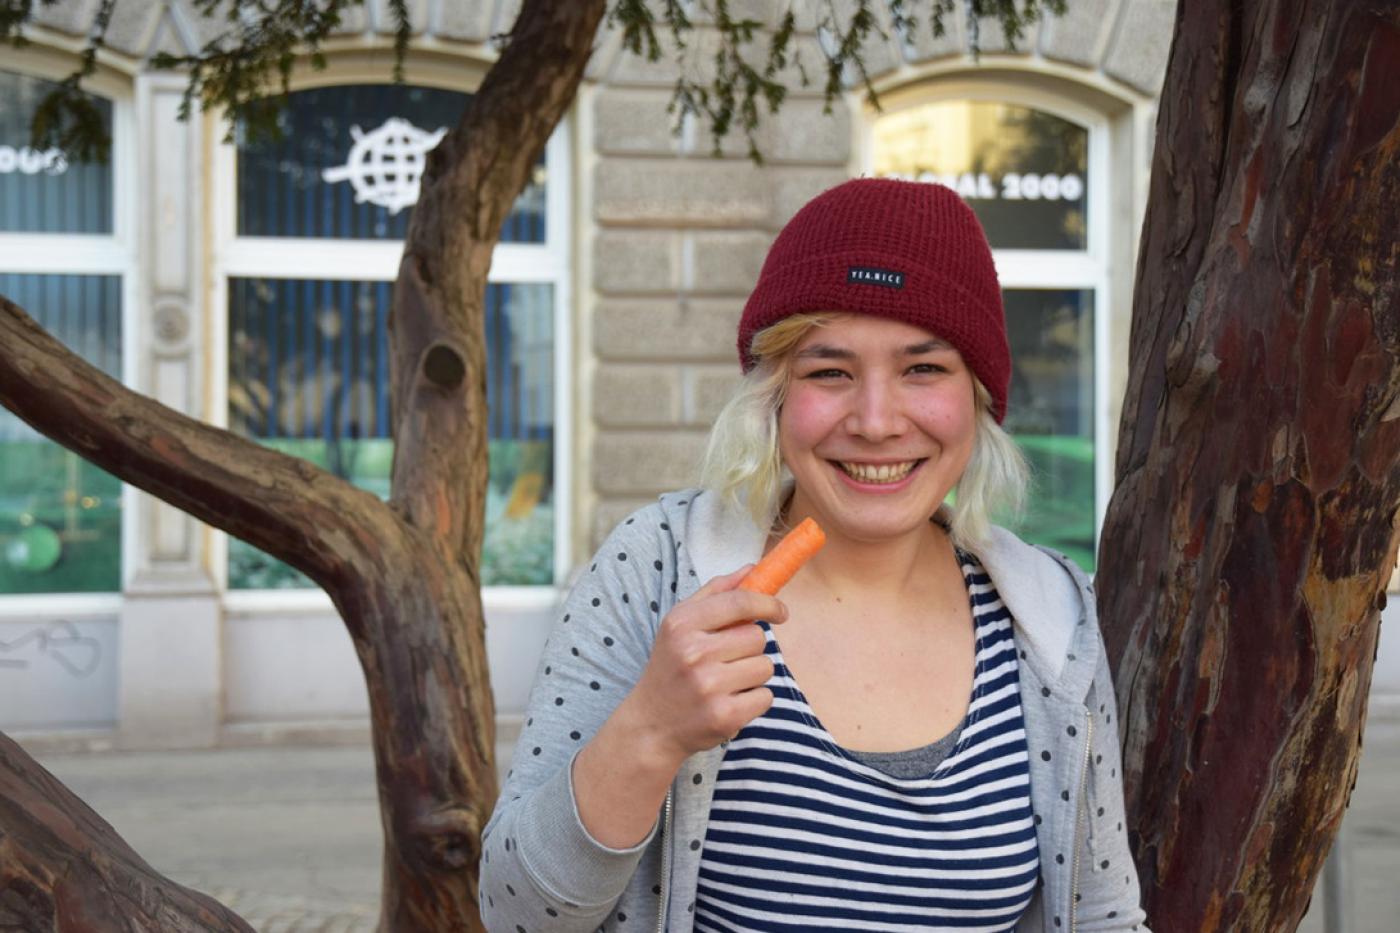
(895, 565)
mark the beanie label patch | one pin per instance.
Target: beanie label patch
(867, 275)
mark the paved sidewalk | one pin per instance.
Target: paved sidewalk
(289, 837)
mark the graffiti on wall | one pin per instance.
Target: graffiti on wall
(58, 642)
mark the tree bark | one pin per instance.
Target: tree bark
(63, 868)
(1262, 420)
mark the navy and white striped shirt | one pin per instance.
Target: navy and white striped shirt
(802, 835)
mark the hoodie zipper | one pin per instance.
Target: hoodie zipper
(665, 865)
(1079, 812)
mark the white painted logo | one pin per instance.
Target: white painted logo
(1013, 186)
(385, 166)
(32, 161)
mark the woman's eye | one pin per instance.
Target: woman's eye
(825, 374)
(923, 369)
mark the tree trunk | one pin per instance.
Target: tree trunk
(404, 576)
(430, 694)
(1262, 422)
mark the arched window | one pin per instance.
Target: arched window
(1035, 172)
(309, 232)
(65, 258)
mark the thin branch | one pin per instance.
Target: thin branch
(247, 70)
(403, 29)
(469, 187)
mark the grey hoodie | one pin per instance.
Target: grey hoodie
(542, 871)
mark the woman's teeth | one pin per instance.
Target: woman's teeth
(882, 473)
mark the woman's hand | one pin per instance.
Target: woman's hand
(705, 680)
(703, 683)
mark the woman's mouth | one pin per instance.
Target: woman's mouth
(877, 473)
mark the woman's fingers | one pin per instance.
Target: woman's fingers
(750, 705)
(746, 674)
(737, 641)
(721, 610)
(720, 603)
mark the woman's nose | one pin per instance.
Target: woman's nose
(875, 413)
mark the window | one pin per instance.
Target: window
(62, 260)
(312, 232)
(1034, 179)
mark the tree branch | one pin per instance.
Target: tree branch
(63, 867)
(469, 187)
(292, 509)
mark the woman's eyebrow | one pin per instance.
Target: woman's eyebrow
(823, 351)
(928, 346)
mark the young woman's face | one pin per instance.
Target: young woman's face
(877, 426)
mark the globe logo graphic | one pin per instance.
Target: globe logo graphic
(385, 166)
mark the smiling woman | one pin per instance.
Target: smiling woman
(910, 738)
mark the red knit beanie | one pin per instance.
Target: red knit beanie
(904, 250)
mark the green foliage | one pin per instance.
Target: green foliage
(13, 15)
(247, 70)
(738, 85)
(68, 117)
(743, 78)
(1013, 21)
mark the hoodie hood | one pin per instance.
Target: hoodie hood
(1049, 597)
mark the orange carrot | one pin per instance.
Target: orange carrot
(787, 557)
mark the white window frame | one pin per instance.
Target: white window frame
(375, 260)
(1048, 269)
(88, 254)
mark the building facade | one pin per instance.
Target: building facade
(245, 281)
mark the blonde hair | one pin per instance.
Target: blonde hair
(743, 464)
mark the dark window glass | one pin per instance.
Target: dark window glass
(349, 163)
(309, 375)
(1050, 412)
(1024, 172)
(60, 516)
(45, 191)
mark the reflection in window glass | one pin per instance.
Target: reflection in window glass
(1023, 171)
(309, 375)
(60, 516)
(349, 162)
(1050, 412)
(44, 191)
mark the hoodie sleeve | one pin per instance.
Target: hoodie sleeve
(1108, 895)
(540, 868)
